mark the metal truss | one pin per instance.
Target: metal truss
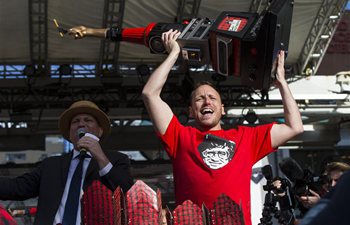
(117, 89)
(38, 33)
(320, 36)
(79, 70)
(113, 15)
(122, 90)
(187, 9)
(12, 71)
(258, 5)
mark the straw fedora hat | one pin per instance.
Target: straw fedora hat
(83, 107)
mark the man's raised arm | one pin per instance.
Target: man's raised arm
(158, 110)
(281, 133)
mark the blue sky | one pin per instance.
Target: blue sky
(348, 5)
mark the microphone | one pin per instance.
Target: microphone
(81, 133)
(291, 169)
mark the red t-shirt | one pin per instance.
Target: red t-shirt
(6, 218)
(207, 164)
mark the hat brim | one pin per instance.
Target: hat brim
(100, 116)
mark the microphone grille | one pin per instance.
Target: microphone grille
(81, 132)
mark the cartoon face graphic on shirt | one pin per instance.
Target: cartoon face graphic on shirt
(216, 152)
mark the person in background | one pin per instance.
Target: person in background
(333, 171)
(333, 207)
(59, 181)
(207, 160)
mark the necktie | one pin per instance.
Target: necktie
(72, 203)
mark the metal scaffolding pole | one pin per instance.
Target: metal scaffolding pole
(112, 17)
(38, 34)
(258, 5)
(320, 36)
(187, 9)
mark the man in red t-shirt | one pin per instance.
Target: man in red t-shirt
(208, 160)
(5, 217)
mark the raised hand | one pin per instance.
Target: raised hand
(280, 73)
(169, 41)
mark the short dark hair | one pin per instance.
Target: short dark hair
(199, 84)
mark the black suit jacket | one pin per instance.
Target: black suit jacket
(48, 180)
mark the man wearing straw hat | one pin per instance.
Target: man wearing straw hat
(56, 181)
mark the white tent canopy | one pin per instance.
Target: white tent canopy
(15, 26)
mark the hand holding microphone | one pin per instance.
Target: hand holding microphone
(89, 142)
(81, 132)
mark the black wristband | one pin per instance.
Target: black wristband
(114, 34)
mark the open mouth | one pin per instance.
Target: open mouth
(207, 111)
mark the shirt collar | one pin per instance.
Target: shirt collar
(76, 154)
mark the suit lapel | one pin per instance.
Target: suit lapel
(65, 167)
